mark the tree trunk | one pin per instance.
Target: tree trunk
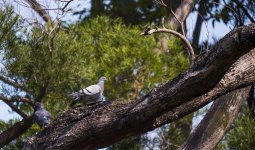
(217, 121)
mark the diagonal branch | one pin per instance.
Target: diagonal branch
(243, 69)
(17, 110)
(97, 126)
(15, 131)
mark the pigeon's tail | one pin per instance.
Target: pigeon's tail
(75, 97)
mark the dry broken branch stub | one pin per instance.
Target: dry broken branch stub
(100, 125)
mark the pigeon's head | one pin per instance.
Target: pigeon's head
(38, 105)
(102, 79)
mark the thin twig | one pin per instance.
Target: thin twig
(180, 22)
(160, 2)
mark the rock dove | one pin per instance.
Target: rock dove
(42, 116)
(90, 95)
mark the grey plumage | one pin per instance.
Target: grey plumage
(89, 95)
(42, 116)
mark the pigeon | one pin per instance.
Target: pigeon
(90, 95)
(42, 116)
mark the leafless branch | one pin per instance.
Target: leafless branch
(149, 31)
(67, 3)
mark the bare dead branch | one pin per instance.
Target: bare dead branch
(149, 31)
(13, 107)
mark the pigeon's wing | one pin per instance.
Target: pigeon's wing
(92, 90)
(47, 114)
(75, 95)
(42, 117)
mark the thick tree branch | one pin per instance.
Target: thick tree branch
(15, 131)
(241, 74)
(100, 125)
(217, 121)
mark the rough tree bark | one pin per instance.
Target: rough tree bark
(241, 74)
(15, 131)
(217, 121)
(97, 126)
